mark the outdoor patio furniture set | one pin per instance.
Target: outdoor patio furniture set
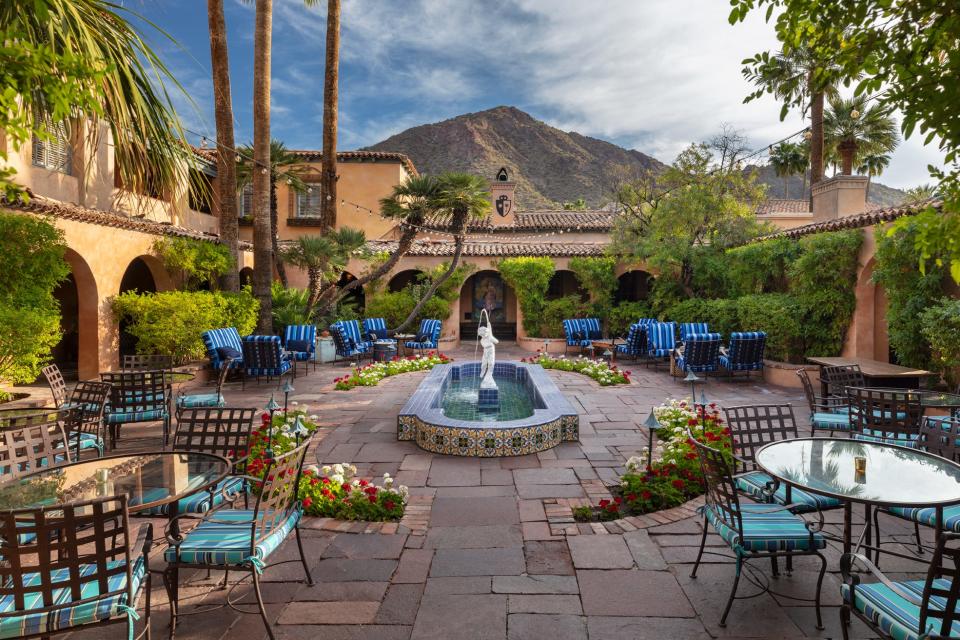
(375, 341)
(895, 461)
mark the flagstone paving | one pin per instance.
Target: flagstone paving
(487, 548)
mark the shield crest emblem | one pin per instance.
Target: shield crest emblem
(504, 204)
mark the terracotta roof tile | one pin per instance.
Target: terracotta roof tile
(857, 221)
(539, 220)
(776, 205)
(373, 156)
(504, 249)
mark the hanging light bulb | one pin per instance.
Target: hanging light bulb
(855, 114)
(807, 135)
(309, 189)
(203, 142)
(289, 181)
(329, 197)
(263, 171)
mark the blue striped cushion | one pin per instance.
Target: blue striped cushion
(124, 417)
(907, 440)
(570, 328)
(689, 328)
(201, 501)
(591, 328)
(832, 421)
(269, 371)
(766, 527)
(928, 516)
(745, 351)
(755, 482)
(304, 333)
(227, 337)
(201, 400)
(301, 356)
(661, 339)
(429, 327)
(727, 364)
(68, 617)
(897, 617)
(87, 441)
(377, 326)
(224, 539)
(418, 345)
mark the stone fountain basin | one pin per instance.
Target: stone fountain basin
(553, 421)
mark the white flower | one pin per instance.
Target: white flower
(312, 468)
(325, 469)
(294, 403)
(336, 479)
(338, 469)
(352, 468)
(314, 418)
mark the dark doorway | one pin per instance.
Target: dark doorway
(139, 278)
(66, 355)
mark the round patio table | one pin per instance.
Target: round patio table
(894, 477)
(148, 479)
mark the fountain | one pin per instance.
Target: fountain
(486, 408)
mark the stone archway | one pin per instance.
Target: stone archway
(486, 289)
(246, 276)
(77, 353)
(138, 277)
(564, 283)
(868, 335)
(633, 286)
(403, 278)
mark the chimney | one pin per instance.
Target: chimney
(502, 192)
(839, 196)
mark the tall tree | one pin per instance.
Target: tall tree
(262, 228)
(331, 91)
(226, 162)
(324, 258)
(854, 131)
(787, 159)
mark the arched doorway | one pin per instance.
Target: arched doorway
(77, 352)
(633, 286)
(403, 278)
(487, 290)
(356, 299)
(564, 283)
(246, 277)
(138, 277)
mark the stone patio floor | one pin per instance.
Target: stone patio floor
(487, 550)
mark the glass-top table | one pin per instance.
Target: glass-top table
(890, 476)
(148, 480)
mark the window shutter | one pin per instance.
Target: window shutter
(55, 154)
(308, 203)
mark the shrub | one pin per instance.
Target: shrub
(199, 261)
(779, 315)
(529, 278)
(625, 314)
(760, 267)
(604, 373)
(550, 320)
(940, 325)
(597, 276)
(395, 306)
(289, 306)
(722, 315)
(31, 259)
(371, 374)
(170, 322)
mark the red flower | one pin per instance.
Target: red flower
(618, 500)
(307, 502)
(604, 503)
(372, 498)
(364, 483)
(388, 505)
(327, 493)
(346, 487)
(632, 497)
(691, 455)
(678, 484)
(692, 422)
(646, 495)
(612, 508)
(325, 480)
(314, 481)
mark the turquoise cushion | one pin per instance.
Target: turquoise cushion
(136, 416)
(877, 436)
(754, 483)
(223, 539)
(928, 516)
(767, 527)
(832, 421)
(68, 617)
(199, 400)
(897, 617)
(202, 501)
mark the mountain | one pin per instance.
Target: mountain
(550, 166)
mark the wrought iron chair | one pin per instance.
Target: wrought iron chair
(146, 362)
(264, 356)
(89, 400)
(754, 426)
(701, 353)
(836, 379)
(33, 441)
(242, 539)
(72, 566)
(137, 396)
(58, 386)
(826, 413)
(745, 352)
(905, 609)
(199, 400)
(753, 530)
(884, 415)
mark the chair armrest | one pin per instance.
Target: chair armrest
(830, 402)
(847, 561)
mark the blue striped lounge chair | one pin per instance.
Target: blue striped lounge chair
(826, 413)
(745, 352)
(300, 341)
(200, 400)
(376, 329)
(661, 340)
(574, 334)
(96, 577)
(428, 336)
(904, 609)
(591, 328)
(137, 396)
(701, 353)
(264, 356)
(752, 531)
(689, 328)
(345, 346)
(221, 343)
(636, 342)
(243, 540)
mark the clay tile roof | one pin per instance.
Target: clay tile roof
(540, 220)
(360, 156)
(498, 249)
(857, 221)
(69, 211)
(783, 206)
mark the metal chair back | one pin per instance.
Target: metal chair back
(941, 436)
(221, 431)
(721, 491)
(58, 386)
(31, 442)
(137, 391)
(838, 377)
(942, 586)
(146, 362)
(754, 426)
(278, 493)
(885, 413)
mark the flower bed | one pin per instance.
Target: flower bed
(371, 374)
(332, 492)
(605, 373)
(674, 477)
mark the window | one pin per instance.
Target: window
(201, 191)
(308, 202)
(245, 202)
(55, 154)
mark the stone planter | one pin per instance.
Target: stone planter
(784, 374)
(554, 345)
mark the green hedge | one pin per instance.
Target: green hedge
(780, 316)
(170, 322)
(625, 314)
(550, 324)
(720, 314)
(940, 325)
(530, 279)
(395, 306)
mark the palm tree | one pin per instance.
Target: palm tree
(461, 197)
(131, 87)
(226, 165)
(323, 258)
(263, 256)
(787, 159)
(331, 81)
(921, 192)
(411, 204)
(854, 131)
(283, 165)
(798, 77)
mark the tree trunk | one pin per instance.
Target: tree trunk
(275, 233)
(262, 232)
(226, 156)
(315, 285)
(816, 140)
(803, 185)
(331, 78)
(848, 149)
(786, 187)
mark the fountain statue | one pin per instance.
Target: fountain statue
(488, 395)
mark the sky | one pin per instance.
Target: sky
(651, 75)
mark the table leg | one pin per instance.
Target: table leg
(847, 527)
(868, 524)
(824, 387)
(788, 498)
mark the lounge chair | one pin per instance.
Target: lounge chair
(745, 352)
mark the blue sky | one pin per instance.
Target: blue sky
(652, 75)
